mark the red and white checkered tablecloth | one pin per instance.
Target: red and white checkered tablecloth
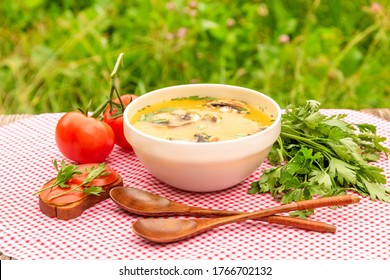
(27, 148)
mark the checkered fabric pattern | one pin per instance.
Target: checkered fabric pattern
(27, 148)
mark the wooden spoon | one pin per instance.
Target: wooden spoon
(144, 203)
(170, 230)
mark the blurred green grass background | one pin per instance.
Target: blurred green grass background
(58, 55)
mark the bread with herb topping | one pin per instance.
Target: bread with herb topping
(67, 197)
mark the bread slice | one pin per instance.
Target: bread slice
(75, 209)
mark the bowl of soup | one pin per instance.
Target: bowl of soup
(202, 137)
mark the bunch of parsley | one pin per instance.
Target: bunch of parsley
(323, 155)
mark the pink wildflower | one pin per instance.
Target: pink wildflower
(284, 39)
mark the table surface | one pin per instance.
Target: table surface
(7, 119)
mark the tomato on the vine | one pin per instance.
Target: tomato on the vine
(84, 139)
(113, 116)
(91, 138)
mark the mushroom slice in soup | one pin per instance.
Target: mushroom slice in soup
(203, 137)
(175, 118)
(212, 118)
(226, 105)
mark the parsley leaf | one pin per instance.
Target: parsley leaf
(323, 155)
(342, 171)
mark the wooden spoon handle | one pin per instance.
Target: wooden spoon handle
(300, 223)
(327, 201)
(274, 219)
(270, 216)
(301, 205)
(305, 205)
(293, 206)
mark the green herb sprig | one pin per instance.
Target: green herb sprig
(93, 173)
(67, 172)
(323, 155)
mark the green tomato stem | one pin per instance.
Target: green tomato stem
(100, 109)
(113, 83)
(98, 112)
(118, 61)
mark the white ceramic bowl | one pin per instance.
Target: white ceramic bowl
(203, 167)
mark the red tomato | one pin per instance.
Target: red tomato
(84, 139)
(61, 200)
(116, 123)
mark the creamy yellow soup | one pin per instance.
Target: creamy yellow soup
(200, 119)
